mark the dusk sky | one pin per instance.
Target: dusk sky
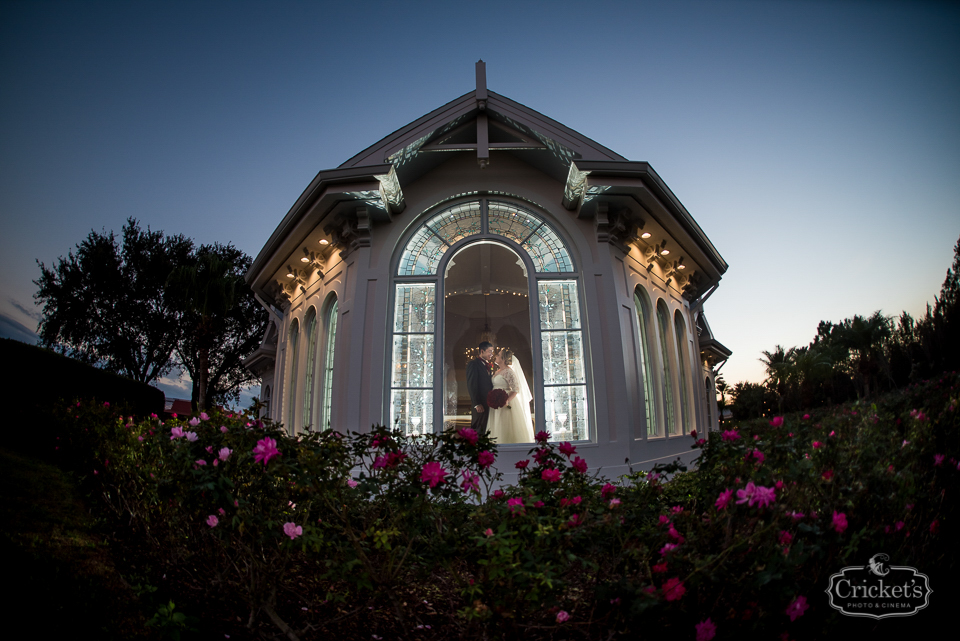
(816, 143)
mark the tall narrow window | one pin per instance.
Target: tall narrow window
(411, 393)
(293, 350)
(328, 366)
(561, 342)
(310, 326)
(663, 323)
(680, 330)
(646, 369)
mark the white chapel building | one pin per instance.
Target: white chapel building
(485, 220)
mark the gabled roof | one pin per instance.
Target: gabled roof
(367, 189)
(421, 145)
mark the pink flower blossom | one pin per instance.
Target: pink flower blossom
(204, 416)
(224, 453)
(797, 607)
(550, 475)
(176, 432)
(200, 461)
(898, 527)
(666, 549)
(542, 437)
(730, 435)
(664, 519)
(757, 454)
(562, 616)
(777, 421)
(488, 532)
(223, 428)
(827, 475)
(265, 450)
(832, 433)
(351, 483)
(935, 526)
(470, 481)
(212, 521)
(522, 465)
(515, 505)
(575, 520)
(221, 511)
(724, 499)
(567, 449)
(673, 589)
(806, 417)
(541, 456)
(194, 422)
(486, 459)
(785, 538)
(839, 521)
(614, 503)
(937, 460)
(765, 496)
(607, 490)
(538, 504)
(498, 494)
(817, 445)
(676, 535)
(579, 465)
(468, 434)
(433, 473)
(706, 630)
(677, 509)
(140, 438)
(660, 568)
(292, 530)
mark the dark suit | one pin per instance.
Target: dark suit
(479, 384)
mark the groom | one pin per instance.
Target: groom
(479, 384)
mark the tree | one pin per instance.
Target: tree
(865, 338)
(105, 304)
(722, 387)
(222, 323)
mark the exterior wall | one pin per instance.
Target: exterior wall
(363, 284)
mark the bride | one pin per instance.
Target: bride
(512, 422)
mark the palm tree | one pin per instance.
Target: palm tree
(865, 338)
(721, 386)
(778, 365)
(209, 289)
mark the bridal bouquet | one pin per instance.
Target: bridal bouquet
(496, 399)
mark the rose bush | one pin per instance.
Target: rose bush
(296, 532)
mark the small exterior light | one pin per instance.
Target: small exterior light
(324, 241)
(645, 234)
(304, 260)
(681, 266)
(664, 252)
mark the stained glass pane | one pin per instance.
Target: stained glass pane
(646, 369)
(562, 357)
(328, 366)
(667, 386)
(511, 221)
(412, 411)
(422, 254)
(414, 308)
(559, 307)
(311, 328)
(412, 360)
(565, 410)
(457, 222)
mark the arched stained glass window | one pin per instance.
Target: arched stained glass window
(293, 350)
(328, 366)
(310, 326)
(532, 233)
(680, 331)
(663, 323)
(549, 300)
(645, 362)
(424, 251)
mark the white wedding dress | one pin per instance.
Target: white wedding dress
(512, 424)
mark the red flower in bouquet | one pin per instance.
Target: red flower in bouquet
(496, 399)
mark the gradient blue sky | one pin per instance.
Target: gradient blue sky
(816, 143)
